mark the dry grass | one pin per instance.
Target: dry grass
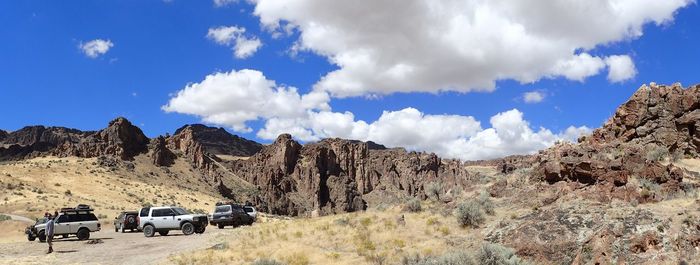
(371, 237)
(34, 186)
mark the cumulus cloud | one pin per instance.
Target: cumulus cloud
(235, 98)
(533, 97)
(95, 48)
(243, 46)
(431, 46)
(621, 68)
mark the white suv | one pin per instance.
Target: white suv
(166, 218)
(78, 221)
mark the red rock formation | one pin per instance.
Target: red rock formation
(332, 176)
(160, 154)
(655, 117)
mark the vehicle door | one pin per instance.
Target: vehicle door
(164, 218)
(62, 224)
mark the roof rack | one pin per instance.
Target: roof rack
(80, 207)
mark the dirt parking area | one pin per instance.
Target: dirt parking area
(113, 248)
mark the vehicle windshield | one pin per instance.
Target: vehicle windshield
(222, 209)
(180, 211)
(41, 221)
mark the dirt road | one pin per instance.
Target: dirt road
(116, 248)
(19, 218)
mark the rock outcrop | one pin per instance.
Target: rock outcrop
(333, 175)
(657, 121)
(120, 139)
(218, 141)
(3, 135)
(160, 154)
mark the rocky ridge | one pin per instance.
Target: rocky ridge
(333, 175)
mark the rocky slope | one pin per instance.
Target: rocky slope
(657, 122)
(334, 175)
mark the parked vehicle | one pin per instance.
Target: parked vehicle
(166, 218)
(126, 220)
(79, 221)
(31, 231)
(250, 210)
(231, 214)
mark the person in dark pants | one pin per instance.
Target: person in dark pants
(49, 233)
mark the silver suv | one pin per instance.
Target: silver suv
(166, 218)
(79, 221)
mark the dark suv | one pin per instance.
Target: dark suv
(232, 214)
(126, 221)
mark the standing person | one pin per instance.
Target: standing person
(49, 233)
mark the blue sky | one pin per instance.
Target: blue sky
(161, 47)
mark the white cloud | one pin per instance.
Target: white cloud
(243, 46)
(533, 97)
(431, 46)
(95, 48)
(621, 68)
(234, 98)
(222, 3)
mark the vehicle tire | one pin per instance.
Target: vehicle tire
(42, 236)
(200, 230)
(221, 226)
(187, 228)
(149, 231)
(31, 237)
(83, 234)
(132, 230)
(163, 233)
(116, 229)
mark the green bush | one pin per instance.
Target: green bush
(433, 190)
(493, 254)
(413, 205)
(4, 218)
(470, 214)
(486, 203)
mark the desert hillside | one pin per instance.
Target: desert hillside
(625, 194)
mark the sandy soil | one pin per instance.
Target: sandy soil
(117, 248)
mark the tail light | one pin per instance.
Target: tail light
(138, 220)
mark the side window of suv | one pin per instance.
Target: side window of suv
(62, 219)
(144, 212)
(162, 212)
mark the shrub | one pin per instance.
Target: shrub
(4, 217)
(266, 262)
(68, 193)
(413, 205)
(449, 258)
(493, 254)
(657, 153)
(486, 203)
(470, 214)
(433, 190)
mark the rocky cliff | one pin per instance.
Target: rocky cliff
(334, 175)
(658, 122)
(120, 139)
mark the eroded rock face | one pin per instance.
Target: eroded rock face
(3, 135)
(218, 141)
(332, 176)
(160, 154)
(120, 139)
(655, 118)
